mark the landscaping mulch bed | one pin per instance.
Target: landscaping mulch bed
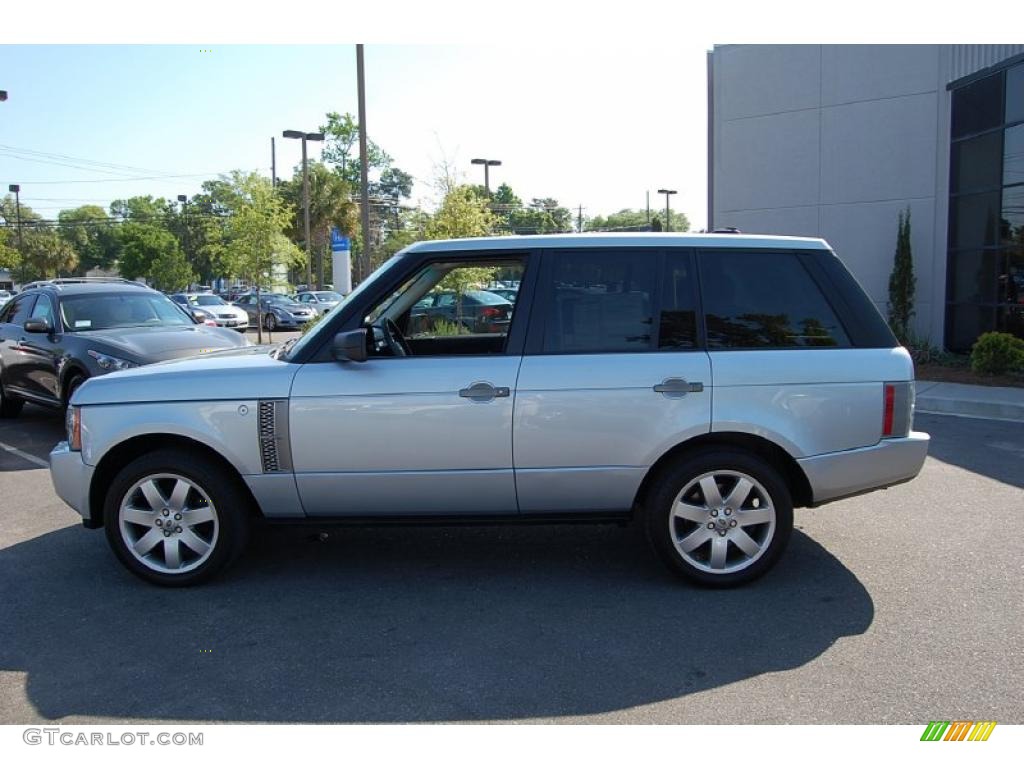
(962, 374)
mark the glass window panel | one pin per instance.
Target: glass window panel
(976, 163)
(1015, 94)
(974, 276)
(1011, 277)
(768, 300)
(1012, 222)
(601, 301)
(978, 106)
(966, 323)
(678, 326)
(1013, 155)
(1010, 319)
(974, 220)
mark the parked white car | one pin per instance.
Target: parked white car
(701, 385)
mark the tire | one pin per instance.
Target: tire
(706, 539)
(9, 406)
(144, 502)
(269, 322)
(74, 383)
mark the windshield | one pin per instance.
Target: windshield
(208, 300)
(328, 296)
(277, 298)
(120, 310)
(296, 346)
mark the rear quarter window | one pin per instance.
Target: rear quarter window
(765, 300)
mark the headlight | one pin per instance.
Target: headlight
(73, 425)
(109, 362)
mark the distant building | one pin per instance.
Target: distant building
(835, 140)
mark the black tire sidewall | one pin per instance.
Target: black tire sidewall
(228, 499)
(665, 489)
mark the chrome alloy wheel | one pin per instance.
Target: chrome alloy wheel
(722, 522)
(168, 523)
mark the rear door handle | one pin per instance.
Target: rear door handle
(483, 391)
(678, 387)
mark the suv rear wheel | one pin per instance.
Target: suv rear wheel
(720, 518)
(173, 519)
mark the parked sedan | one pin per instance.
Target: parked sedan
(475, 311)
(322, 301)
(55, 335)
(277, 310)
(221, 312)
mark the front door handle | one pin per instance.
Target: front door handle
(483, 391)
(675, 387)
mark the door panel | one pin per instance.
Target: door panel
(588, 427)
(394, 436)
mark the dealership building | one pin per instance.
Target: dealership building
(836, 140)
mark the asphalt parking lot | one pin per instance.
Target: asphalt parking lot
(902, 606)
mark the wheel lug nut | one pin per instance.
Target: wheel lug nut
(721, 533)
(159, 522)
(178, 516)
(714, 513)
(165, 512)
(728, 511)
(177, 529)
(167, 531)
(732, 523)
(711, 525)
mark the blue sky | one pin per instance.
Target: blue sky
(595, 126)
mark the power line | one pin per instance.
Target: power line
(82, 160)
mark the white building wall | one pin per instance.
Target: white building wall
(834, 141)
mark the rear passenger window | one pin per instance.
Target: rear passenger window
(678, 326)
(764, 300)
(601, 301)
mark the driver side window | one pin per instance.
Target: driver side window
(447, 309)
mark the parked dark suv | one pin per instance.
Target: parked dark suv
(56, 334)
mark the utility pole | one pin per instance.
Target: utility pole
(364, 191)
(487, 170)
(305, 193)
(183, 199)
(648, 208)
(273, 164)
(579, 220)
(668, 221)
(16, 189)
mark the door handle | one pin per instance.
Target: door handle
(483, 391)
(675, 387)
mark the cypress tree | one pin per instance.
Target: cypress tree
(902, 282)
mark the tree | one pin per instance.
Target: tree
(902, 283)
(462, 214)
(142, 244)
(47, 255)
(631, 220)
(90, 232)
(341, 148)
(9, 256)
(170, 271)
(256, 243)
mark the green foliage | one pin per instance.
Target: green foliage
(442, 327)
(89, 231)
(47, 255)
(902, 283)
(462, 214)
(9, 256)
(997, 353)
(170, 271)
(256, 243)
(631, 220)
(142, 243)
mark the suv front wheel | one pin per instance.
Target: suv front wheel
(720, 518)
(173, 519)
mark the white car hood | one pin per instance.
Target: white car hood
(247, 373)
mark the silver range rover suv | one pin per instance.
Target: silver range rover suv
(701, 385)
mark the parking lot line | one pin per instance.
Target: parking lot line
(26, 456)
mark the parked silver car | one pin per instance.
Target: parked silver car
(702, 385)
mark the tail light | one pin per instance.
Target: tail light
(73, 425)
(492, 312)
(210, 322)
(897, 408)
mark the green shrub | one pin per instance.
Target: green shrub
(997, 353)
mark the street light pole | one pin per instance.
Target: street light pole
(305, 193)
(183, 199)
(667, 193)
(487, 170)
(364, 167)
(16, 189)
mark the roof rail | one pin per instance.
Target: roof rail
(59, 281)
(725, 231)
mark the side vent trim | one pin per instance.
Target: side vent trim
(275, 449)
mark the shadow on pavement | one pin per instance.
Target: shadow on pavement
(986, 447)
(412, 624)
(35, 431)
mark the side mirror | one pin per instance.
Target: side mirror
(37, 325)
(350, 346)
